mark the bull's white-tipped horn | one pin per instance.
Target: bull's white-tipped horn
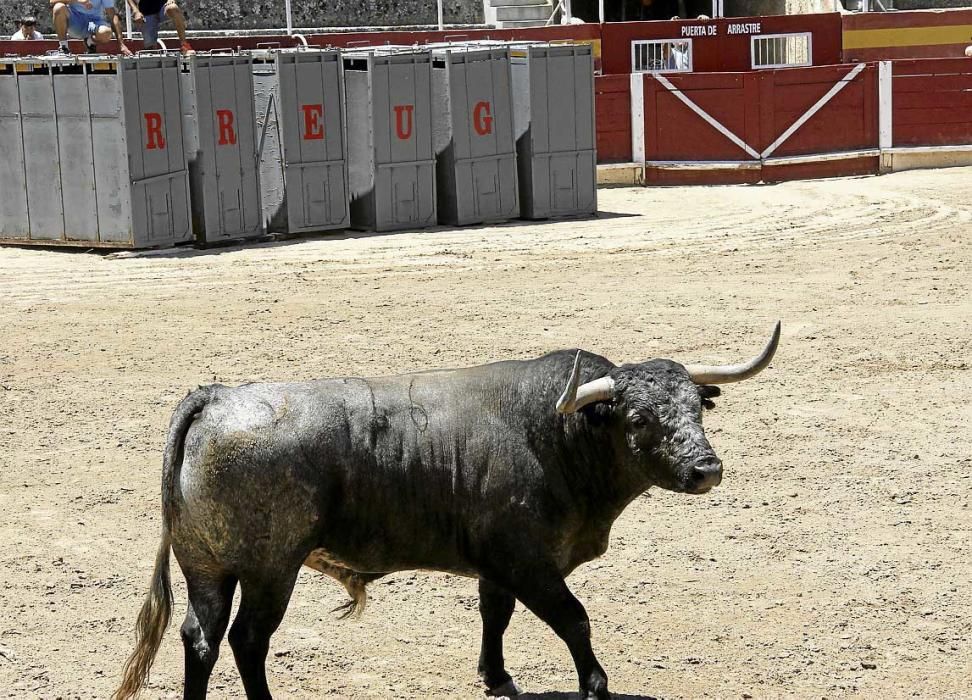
(576, 397)
(726, 374)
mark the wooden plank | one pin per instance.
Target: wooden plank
(734, 176)
(932, 134)
(867, 165)
(706, 81)
(933, 115)
(954, 99)
(933, 66)
(931, 83)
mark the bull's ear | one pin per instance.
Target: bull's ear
(708, 392)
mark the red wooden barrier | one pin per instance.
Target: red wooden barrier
(770, 125)
(872, 36)
(586, 33)
(722, 44)
(849, 121)
(932, 102)
(674, 132)
(612, 102)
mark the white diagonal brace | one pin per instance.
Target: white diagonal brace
(718, 126)
(840, 85)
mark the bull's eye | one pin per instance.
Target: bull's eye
(638, 420)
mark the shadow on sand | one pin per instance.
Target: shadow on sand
(561, 695)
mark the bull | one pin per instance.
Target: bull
(498, 472)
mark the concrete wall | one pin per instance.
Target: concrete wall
(929, 4)
(802, 7)
(254, 14)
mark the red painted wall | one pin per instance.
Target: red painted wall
(874, 36)
(932, 102)
(718, 50)
(612, 105)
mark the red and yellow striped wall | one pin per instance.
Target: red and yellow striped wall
(874, 36)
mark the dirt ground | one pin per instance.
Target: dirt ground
(834, 560)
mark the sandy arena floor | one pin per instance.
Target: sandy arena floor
(834, 560)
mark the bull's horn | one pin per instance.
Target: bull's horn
(726, 374)
(576, 397)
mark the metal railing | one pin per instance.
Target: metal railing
(564, 6)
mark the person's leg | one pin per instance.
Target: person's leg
(68, 22)
(150, 30)
(60, 16)
(174, 13)
(102, 34)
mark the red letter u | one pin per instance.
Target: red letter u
(404, 131)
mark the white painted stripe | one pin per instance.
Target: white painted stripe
(706, 116)
(783, 160)
(619, 166)
(638, 117)
(840, 85)
(704, 164)
(960, 148)
(885, 139)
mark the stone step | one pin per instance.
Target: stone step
(520, 24)
(508, 3)
(521, 13)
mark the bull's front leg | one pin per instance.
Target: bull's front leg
(542, 589)
(496, 608)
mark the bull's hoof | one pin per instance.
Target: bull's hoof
(597, 690)
(507, 690)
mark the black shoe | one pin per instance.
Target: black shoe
(62, 50)
(90, 46)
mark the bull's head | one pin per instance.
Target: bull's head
(660, 405)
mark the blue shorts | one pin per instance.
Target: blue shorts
(150, 30)
(81, 24)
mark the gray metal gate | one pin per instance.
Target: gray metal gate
(473, 130)
(553, 94)
(91, 152)
(391, 162)
(220, 130)
(301, 142)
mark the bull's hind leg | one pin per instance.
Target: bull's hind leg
(263, 602)
(496, 609)
(203, 629)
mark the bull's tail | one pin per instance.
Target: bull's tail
(153, 619)
(354, 584)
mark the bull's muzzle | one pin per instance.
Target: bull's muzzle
(705, 477)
